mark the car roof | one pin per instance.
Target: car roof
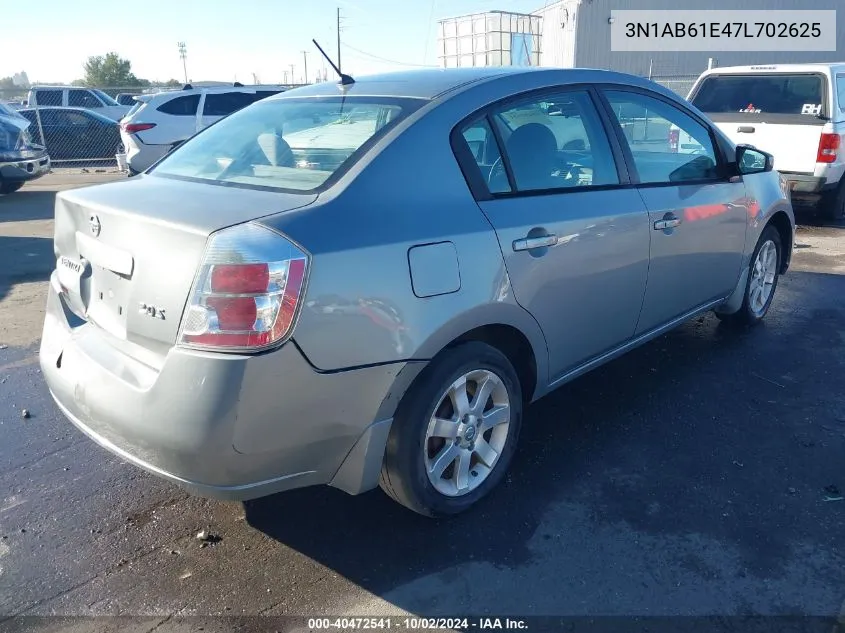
(425, 83)
(166, 95)
(88, 112)
(433, 83)
(62, 88)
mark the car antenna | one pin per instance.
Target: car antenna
(345, 80)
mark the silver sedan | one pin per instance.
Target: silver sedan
(366, 283)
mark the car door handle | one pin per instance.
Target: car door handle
(667, 223)
(745, 129)
(528, 243)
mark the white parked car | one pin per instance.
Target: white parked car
(74, 97)
(159, 122)
(795, 112)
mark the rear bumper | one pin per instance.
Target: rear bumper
(219, 425)
(810, 188)
(24, 169)
(139, 155)
(805, 183)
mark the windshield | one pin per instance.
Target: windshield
(106, 99)
(8, 111)
(761, 94)
(14, 135)
(290, 144)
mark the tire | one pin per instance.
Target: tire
(9, 187)
(833, 208)
(751, 312)
(416, 443)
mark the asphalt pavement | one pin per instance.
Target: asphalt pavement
(700, 475)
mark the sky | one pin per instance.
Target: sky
(226, 40)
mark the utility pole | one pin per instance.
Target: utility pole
(305, 61)
(292, 76)
(183, 53)
(339, 67)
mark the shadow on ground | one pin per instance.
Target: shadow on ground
(27, 205)
(701, 432)
(23, 260)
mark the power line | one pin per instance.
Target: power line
(428, 33)
(385, 59)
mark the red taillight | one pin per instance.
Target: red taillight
(674, 139)
(240, 278)
(828, 144)
(131, 128)
(247, 294)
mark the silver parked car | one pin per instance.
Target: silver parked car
(366, 283)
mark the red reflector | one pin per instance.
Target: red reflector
(240, 278)
(131, 128)
(828, 144)
(234, 313)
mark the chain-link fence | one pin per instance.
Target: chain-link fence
(679, 84)
(78, 125)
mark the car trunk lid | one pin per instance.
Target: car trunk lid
(794, 146)
(127, 253)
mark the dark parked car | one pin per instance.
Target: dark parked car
(20, 159)
(74, 133)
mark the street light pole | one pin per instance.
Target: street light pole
(183, 53)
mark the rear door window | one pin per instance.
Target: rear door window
(840, 91)
(181, 106)
(48, 97)
(224, 103)
(764, 94)
(83, 99)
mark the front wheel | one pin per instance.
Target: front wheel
(455, 431)
(10, 187)
(762, 281)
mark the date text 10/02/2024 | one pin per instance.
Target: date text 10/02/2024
(447, 624)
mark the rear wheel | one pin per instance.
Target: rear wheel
(455, 431)
(834, 206)
(10, 187)
(762, 281)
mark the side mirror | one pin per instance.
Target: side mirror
(751, 160)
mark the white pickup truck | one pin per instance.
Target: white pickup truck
(74, 97)
(795, 112)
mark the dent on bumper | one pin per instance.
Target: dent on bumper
(225, 426)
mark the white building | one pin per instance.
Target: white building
(576, 33)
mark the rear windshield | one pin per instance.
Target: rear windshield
(106, 98)
(761, 94)
(294, 144)
(136, 105)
